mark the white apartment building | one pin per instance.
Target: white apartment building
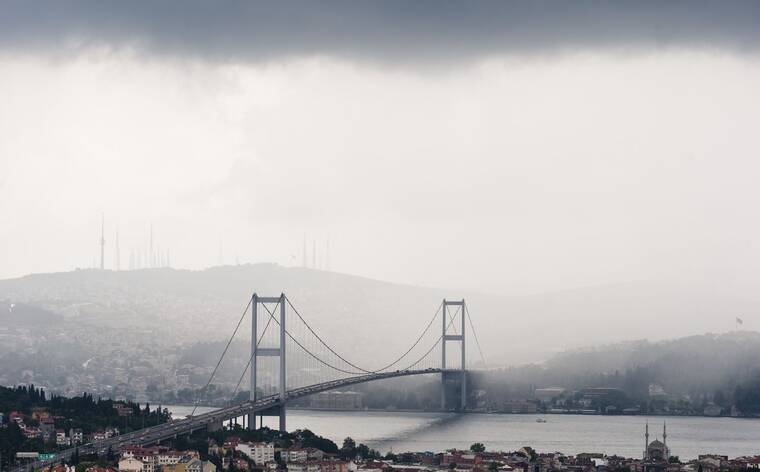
(260, 453)
(133, 464)
(295, 455)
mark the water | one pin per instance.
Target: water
(570, 434)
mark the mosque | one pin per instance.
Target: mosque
(656, 453)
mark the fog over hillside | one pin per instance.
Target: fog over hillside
(369, 320)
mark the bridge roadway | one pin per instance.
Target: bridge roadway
(174, 428)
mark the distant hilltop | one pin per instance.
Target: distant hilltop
(369, 316)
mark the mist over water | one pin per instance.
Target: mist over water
(688, 437)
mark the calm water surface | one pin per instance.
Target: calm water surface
(570, 434)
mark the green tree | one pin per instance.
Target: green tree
(348, 451)
(389, 456)
(477, 447)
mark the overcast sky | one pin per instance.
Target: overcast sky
(511, 147)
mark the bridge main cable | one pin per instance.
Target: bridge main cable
(271, 316)
(213, 373)
(435, 315)
(475, 334)
(250, 359)
(437, 342)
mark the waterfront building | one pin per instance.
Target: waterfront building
(460, 459)
(333, 466)
(336, 400)
(519, 406)
(548, 394)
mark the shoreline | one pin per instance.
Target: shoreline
(469, 412)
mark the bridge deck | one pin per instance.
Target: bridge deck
(174, 428)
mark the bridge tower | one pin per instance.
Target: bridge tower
(257, 352)
(453, 374)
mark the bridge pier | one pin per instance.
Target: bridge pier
(460, 373)
(278, 352)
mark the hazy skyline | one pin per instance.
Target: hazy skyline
(504, 147)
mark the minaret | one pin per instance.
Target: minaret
(665, 440)
(102, 241)
(646, 442)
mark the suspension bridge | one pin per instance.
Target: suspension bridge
(289, 360)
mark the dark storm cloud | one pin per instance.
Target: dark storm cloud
(385, 30)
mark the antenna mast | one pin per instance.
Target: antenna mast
(102, 241)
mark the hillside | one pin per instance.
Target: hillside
(685, 366)
(190, 306)
(678, 376)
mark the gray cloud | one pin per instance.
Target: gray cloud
(393, 30)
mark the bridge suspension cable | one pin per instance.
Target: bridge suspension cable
(474, 334)
(271, 317)
(340, 364)
(437, 342)
(435, 315)
(321, 340)
(258, 342)
(213, 373)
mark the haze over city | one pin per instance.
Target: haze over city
(578, 147)
(379, 236)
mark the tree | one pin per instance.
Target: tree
(478, 447)
(348, 451)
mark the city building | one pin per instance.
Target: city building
(76, 435)
(333, 466)
(61, 440)
(260, 453)
(336, 400)
(294, 454)
(197, 465)
(548, 394)
(519, 406)
(133, 464)
(303, 466)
